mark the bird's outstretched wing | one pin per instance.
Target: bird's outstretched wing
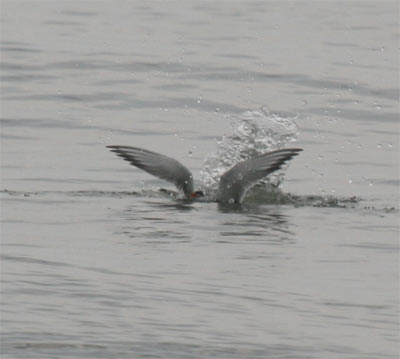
(158, 165)
(236, 181)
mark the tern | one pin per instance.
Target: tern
(233, 184)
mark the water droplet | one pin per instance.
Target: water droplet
(350, 181)
(382, 48)
(379, 146)
(390, 145)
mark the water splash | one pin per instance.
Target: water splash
(254, 133)
(259, 196)
(274, 195)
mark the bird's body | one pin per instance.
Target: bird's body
(234, 183)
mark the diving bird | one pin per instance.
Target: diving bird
(233, 184)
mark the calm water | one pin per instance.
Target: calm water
(96, 263)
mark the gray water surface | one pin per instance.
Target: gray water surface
(97, 263)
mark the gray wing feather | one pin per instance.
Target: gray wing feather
(235, 182)
(157, 165)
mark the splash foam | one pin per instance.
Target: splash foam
(254, 132)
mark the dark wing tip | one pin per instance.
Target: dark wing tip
(114, 148)
(118, 149)
(295, 150)
(291, 152)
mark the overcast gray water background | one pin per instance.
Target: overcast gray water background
(95, 263)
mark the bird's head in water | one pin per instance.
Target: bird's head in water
(197, 194)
